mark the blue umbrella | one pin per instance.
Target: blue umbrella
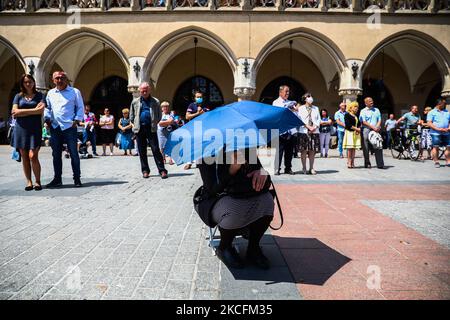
(240, 125)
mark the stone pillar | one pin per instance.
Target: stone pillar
(135, 74)
(433, 7)
(29, 6)
(244, 79)
(135, 5)
(351, 80)
(356, 6)
(390, 6)
(323, 6)
(246, 5)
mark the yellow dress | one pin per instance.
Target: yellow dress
(352, 139)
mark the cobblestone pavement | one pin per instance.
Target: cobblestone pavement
(124, 237)
(118, 237)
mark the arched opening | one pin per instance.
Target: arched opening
(303, 75)
(271, 90)
(306, 56)
(87, 57)
(189, 63)
(185, 92)
(380, 93)
(11, 68)
(112, 93)
(409, 67)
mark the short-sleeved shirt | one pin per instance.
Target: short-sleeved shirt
(390, 124)
(370, 115)
(192, 108)
(164, 117)
(145, 116)
(31, 121)
(411, 119)
(325, 128)
(104, 119)
(339, 115)
(440, 118)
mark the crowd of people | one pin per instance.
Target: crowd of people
(356, 131)
(235, 195)
(70, 126)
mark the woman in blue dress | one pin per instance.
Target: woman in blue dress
(28, 107)
(126, 133)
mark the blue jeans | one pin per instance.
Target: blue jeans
(57, 139)
(340, 135)
(90, 136)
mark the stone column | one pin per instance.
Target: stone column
(351, 80)
(323, 6)
(356, 6)
(29, 6)
(244, 79)
(135, 75)
(433, 7)
(246, 5)
(135, 5)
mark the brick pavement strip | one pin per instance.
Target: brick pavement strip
(124, 237)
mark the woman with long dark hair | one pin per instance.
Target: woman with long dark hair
(28, 107)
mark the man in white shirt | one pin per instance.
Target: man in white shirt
(309, 137)
(287, 140)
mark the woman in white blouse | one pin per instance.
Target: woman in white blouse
(308, 137)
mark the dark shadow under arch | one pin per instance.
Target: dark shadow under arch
(184, 94)
(270, 91)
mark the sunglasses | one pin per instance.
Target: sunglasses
(60, 78)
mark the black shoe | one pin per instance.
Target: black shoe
(289, 171)
(95, 154)
(164, 175)
(277, 173)
(29, 188)
(368, 166)
(77, 182)
(37, 187)
(258, 259)
(230, 257)
(54, 184)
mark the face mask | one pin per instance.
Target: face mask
(309, 100)
(198, 100)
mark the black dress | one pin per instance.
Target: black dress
(27, 132)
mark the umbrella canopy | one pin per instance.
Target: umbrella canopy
(240, 125)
